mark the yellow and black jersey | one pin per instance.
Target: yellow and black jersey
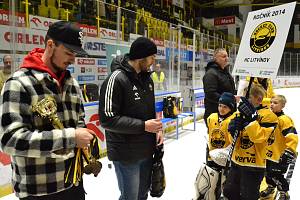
(218, 134)
(250, 148)
(269, 92)
(284, 137)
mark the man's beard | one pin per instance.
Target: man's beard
(7, 69)
(57, 69)
(143, 66)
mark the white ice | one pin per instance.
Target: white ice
(182, 161)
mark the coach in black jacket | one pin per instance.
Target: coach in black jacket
(127, 112)
(216, 80)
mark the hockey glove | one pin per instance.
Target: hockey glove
(247, 110)
(287, 157)
(237, 124)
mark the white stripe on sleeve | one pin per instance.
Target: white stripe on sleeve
(108, 94)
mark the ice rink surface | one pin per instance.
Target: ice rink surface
(182, 160)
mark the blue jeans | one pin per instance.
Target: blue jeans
(134, 178)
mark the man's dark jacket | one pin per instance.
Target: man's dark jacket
(215, 81)
(126, 102)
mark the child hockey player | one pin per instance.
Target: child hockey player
(281, 151)
(217, 124)
(255, 124)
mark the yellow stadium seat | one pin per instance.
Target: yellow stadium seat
(153, 22)
(43, 11)
(50, 3)
(62, 14)
(53, 12)
(159, 23)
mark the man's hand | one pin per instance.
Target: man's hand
(159, 138)
(83, 137)
(153, 125)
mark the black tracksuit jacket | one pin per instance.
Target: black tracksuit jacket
(126, 102)
(215, 81)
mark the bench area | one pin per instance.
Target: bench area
(178, 121)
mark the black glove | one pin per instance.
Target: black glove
(287, 157)
(238, 123)
(247, 110)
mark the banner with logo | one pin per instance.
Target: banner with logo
(40, 23)
(284, 82)
(186, 56)
(94, 46)
(161, 53)
(89, 70)
(5, 20)
(221, 21)
(90, 31)
(161, 49)
(106, 33)
(93, 123)
(25, 39)
(263, 41)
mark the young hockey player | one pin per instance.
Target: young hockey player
(217, 124)
(281, 151)
(255, 125)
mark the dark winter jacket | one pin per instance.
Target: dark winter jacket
(215, 81)
(126, 102)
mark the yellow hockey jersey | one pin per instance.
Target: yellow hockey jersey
(251, 145)
(284, 137)
(218, 134)
(269, 93)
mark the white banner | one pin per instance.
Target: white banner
(89, 70)
(94, 46)
(25, 39)
(284, 82)
(5, 18)
(133, 36)
(263, 41)
(40, 23)
(93, 123)
(106, 33)
(161, 53)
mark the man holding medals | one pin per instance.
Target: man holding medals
(45, 149)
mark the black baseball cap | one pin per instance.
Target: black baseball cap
(69, 35)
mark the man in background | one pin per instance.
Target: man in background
(6, 71)
(216, 80)
(158, 77)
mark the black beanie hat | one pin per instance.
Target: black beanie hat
(228, 99)
(141, 48)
